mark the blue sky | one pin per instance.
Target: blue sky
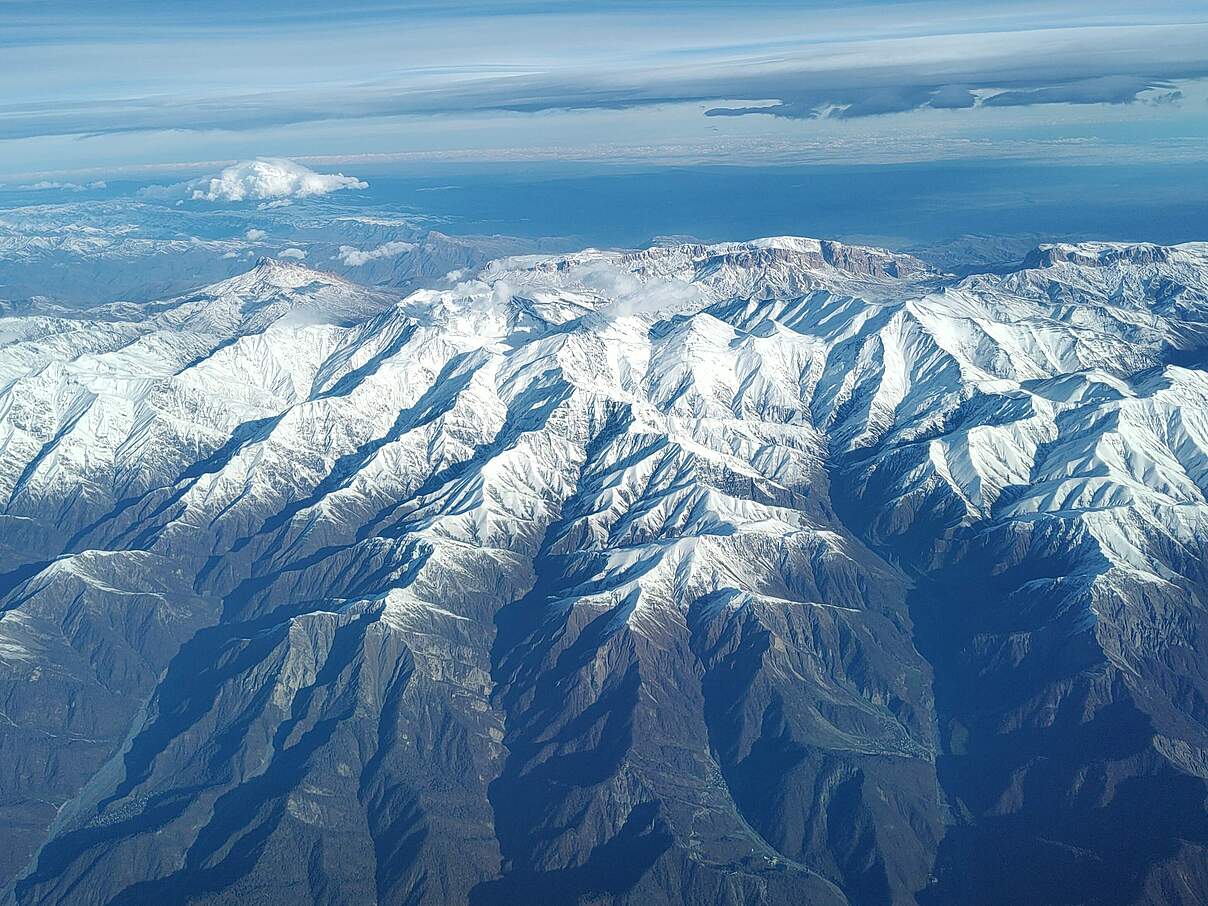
(103, 89)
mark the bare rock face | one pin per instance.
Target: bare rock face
(1097, 254)
(775, 572)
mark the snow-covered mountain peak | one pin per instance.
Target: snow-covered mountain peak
(277, 273)
(269, 291)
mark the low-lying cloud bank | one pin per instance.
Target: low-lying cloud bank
(49, 185)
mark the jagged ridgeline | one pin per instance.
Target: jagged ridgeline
(780, 572)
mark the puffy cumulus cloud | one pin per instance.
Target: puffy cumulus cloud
(351, 256)
(267, 178)
(292, 253)
(254, 235)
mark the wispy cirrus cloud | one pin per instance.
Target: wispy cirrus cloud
(421, 72)
(868, 58)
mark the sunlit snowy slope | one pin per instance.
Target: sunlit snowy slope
(770, 572)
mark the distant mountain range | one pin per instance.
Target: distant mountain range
(778, 572)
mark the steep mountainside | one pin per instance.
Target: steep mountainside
(772, 572)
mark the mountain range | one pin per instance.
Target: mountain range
(781, 571)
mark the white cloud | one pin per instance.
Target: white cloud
(631, 295)
(254, 235)
(292, 253)
(354, 257)
(46, 185)
(231, 255)
(270, 178)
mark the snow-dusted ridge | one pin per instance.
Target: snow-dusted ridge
(713, 545)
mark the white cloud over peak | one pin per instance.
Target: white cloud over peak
(354, 257)
(270, 178)
(632, 295)
(292, 253)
